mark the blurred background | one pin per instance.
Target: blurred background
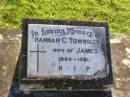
(115, 12)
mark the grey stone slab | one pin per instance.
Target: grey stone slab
(41, 61)
(64, 50)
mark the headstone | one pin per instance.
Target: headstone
(64, 55)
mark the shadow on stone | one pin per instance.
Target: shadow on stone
(15, 92)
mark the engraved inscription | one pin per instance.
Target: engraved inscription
(63, 50)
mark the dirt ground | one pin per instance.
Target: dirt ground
(10, 41)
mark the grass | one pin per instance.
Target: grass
(115, 12)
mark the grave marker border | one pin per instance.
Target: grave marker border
(86, 84)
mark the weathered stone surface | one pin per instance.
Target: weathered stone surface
(10, 40)
(9, 51)
(120, 63)
(39, 63)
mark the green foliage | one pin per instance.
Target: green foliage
(115, 12)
